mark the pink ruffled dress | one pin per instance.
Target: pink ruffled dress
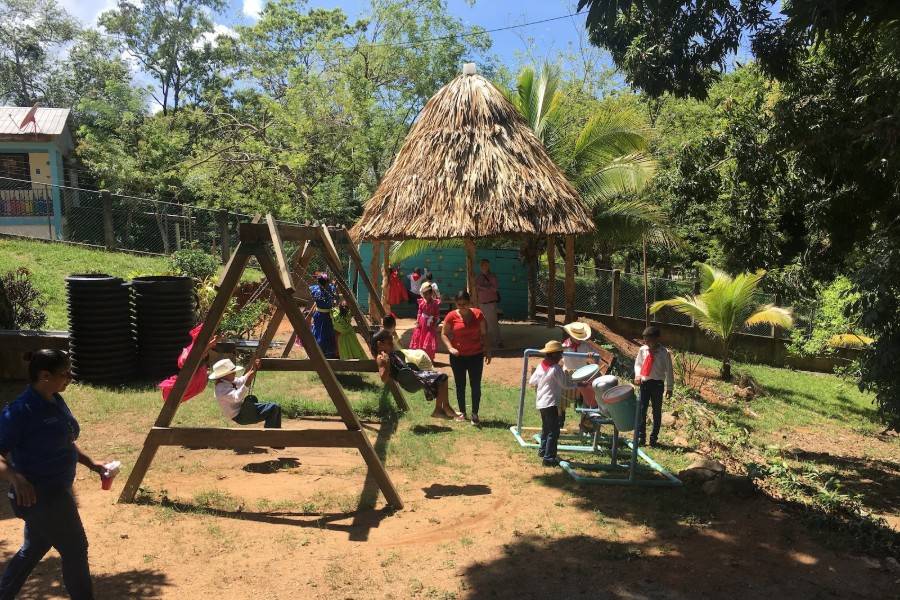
(424, 336)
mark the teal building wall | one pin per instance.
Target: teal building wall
(449, 268)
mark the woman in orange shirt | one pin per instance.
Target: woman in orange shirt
(464, 333)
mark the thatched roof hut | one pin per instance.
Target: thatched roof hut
(472, 168)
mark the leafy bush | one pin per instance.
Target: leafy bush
(26, 303)
(240, 322)
(835, 319)
(194, 263)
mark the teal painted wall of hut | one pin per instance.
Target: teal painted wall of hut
(449, 268)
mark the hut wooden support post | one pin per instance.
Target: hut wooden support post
(374, 269)
(470, 271)
(551, 282)
(255, 240)
(386, 278)
(570, 278)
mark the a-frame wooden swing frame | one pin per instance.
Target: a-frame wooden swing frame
(255, 238)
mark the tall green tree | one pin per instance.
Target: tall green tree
(31, 34)
(166, 37)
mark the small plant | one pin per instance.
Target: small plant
(241, 322)
(25, 302)
(194, 263)
(685, 366)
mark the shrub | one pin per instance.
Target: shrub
(835, 319)
(194, 263)
(26, 303)
(240, 322)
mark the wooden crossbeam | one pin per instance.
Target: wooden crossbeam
(233, 437)
(302, 364)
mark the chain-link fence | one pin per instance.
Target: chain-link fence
(113, 221)
(596, 292)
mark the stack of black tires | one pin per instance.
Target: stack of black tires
(164, 313)
(101, 330)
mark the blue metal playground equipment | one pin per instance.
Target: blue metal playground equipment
(597, 444)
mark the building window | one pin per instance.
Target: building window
(15, 172)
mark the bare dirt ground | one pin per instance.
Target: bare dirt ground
(488, 523)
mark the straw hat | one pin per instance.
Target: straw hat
(552, 347)
(578, 331)
(426, 287)
(224, 367)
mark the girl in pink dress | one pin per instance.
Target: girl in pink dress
(425, 335)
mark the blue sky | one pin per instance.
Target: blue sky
(543, 40)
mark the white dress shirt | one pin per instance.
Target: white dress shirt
(550, 385)
(230, 395)
(662, 365)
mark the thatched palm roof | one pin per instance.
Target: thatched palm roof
(471, 168)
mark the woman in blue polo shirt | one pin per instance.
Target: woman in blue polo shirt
(38, 455)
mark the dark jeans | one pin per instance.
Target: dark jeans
(473, 366)
(651, 394)
(254, 412)
(549, 432)
(51, 522)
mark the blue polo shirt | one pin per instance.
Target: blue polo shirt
(40, 439)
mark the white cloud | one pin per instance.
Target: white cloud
(211, 37)
(252, 8)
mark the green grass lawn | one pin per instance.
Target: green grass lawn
(50, 263)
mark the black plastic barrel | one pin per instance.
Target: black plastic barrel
(101, 336)
(164, 313)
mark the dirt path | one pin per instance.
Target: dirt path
(485, 525)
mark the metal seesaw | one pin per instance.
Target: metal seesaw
(598, 443)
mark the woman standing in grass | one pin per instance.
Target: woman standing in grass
(38, 455)
(465, 335)
(348, 345)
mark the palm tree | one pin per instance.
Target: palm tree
(725, 305)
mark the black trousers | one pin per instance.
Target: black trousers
(473, 366)
(549, 432)
(651, 394)
(52, 522)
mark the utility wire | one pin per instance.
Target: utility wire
(474, 33)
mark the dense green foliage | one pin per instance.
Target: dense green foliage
(197, 264)
(28, 305)
(797, 171)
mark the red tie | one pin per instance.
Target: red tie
(647, 366)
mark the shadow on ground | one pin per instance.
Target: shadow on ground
(46, 580)
(672, 544)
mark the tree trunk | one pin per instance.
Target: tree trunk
(726, 361)
(529, 255)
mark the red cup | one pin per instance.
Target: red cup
(105, 483)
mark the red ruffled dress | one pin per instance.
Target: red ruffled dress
(396, 292)
(425, 334)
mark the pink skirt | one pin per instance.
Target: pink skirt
(424, 338)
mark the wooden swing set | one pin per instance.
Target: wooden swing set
(262, 240)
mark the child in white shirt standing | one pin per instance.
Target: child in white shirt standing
(653, 373)
(550, 381)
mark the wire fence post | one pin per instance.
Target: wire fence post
(109, 236)
(224, 235)
(616, 292)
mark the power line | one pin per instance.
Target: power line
(475, 33)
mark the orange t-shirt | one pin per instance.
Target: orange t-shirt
(466, 337)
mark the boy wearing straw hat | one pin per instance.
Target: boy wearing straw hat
(235, 399)
(550, 381)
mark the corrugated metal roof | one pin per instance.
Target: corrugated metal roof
(50, 121)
